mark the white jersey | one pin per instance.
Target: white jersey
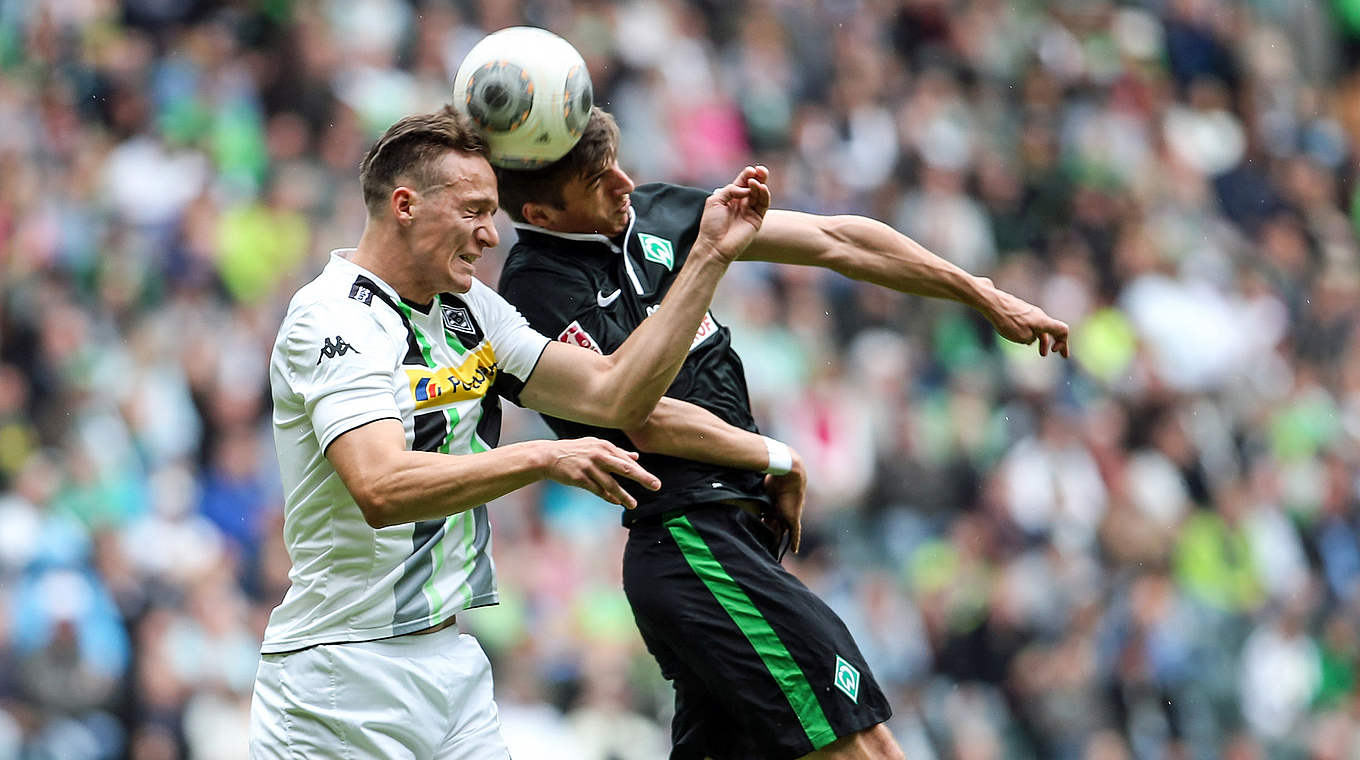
(350, 351)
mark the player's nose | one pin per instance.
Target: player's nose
(622, 183)
(488, 235)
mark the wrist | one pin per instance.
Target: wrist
(980, 293)
(708, 250)
(780, 460)
(542, 456)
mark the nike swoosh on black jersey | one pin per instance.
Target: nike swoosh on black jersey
(605, 300)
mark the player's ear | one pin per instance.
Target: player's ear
(401, 201)
(537, 214)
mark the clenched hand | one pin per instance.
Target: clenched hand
(734, 212)
(1020, 321)
(787, 491)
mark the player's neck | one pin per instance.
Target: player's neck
(381, 252)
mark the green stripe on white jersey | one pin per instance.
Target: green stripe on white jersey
(351, 352)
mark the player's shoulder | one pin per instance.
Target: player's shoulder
(339, 296)
(662, 198)
(532, 260)
(529, 253)
(544, 288)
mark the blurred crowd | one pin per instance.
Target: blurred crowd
(1151, 550)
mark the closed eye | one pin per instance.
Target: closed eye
(594, 180)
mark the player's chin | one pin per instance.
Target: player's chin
(462, 268)
(461, 282)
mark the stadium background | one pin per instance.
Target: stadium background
(1149, 551)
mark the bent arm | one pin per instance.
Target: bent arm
(393, 485)
(681, 429)
(620, 389)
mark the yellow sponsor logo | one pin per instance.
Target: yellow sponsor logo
(445, 385)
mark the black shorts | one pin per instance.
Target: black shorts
(762, 667)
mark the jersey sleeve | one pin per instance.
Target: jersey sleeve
(518, 346)
(341, 362)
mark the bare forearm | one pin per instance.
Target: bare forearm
(874, 252)
(420, 485)
(868, 250)
(680, 429)
(647, 362)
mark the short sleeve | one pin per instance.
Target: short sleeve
(517, 345)
(341, 363)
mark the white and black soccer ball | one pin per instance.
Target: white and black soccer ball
(529, 92)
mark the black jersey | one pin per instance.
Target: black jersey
(593, 291)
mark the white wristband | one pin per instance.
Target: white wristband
(781, 458)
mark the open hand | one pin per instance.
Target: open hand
(787, 491)
(592, 463)
(734, 212)
(1020, 321)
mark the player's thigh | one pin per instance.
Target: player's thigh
(475, 727)
(271, 714)
(699, 720)
(341, 701)
(874, 743)
(665, 594)
(772, 656)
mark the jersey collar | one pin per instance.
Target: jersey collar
(340, 261)
(582, 237)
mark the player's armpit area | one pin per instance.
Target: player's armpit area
(326, 451)
(360, 455)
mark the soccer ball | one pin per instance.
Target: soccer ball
(530, 93)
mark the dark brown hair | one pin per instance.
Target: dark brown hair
(594, 152)
(408, 149)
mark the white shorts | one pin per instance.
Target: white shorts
(419, 696)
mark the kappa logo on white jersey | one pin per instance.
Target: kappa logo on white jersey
(576, 335)
(335, 348)
(457, 318)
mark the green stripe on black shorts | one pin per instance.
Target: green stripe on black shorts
(762, 667)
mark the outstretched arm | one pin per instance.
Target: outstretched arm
(869, 250)
(680, 429)
(620, 390)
